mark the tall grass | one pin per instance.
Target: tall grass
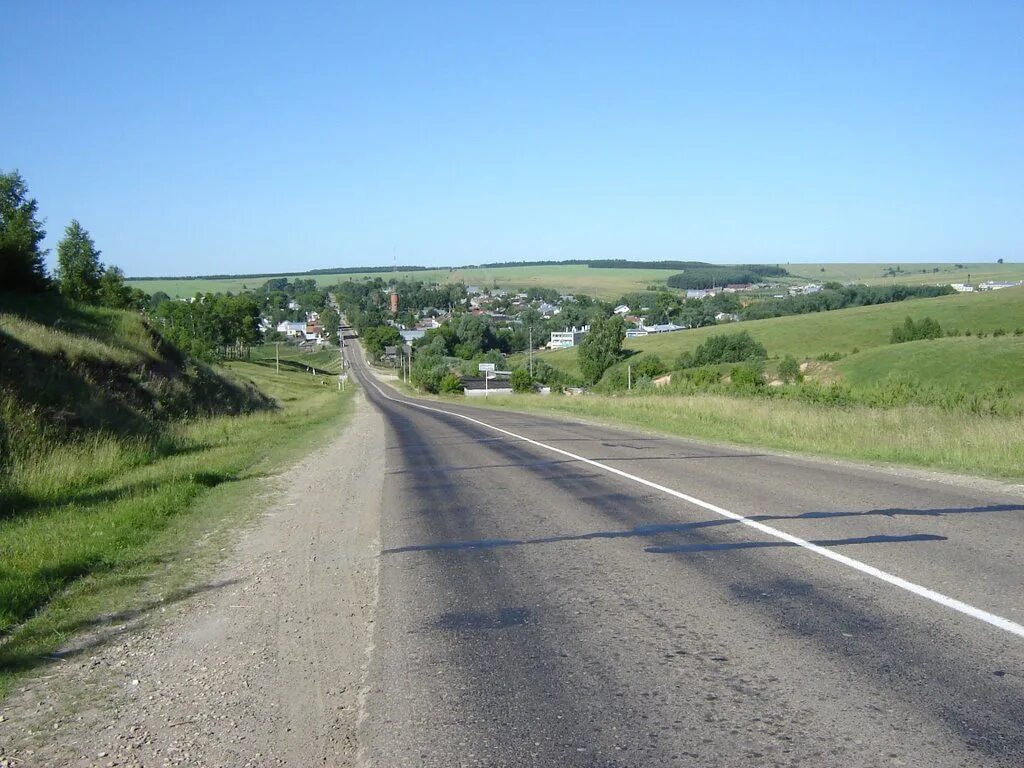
(911, 435)
(84, 510)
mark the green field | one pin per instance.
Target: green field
(571, 278)
(842, 331)
(609, 284)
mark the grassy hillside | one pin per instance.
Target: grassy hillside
(967, 362)
(112, 442)
(611, 283)
(863, 328)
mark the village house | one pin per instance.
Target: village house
(567, 338)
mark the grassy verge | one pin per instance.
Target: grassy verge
(912, 435)
(116, 529)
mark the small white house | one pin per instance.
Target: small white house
(622, 309)
(292, 329)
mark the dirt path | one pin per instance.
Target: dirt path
(262, 666)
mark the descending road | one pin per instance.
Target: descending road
(537, 609)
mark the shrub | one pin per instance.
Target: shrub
(1018, 332)
(999, 332)
(926, 328)
(614, 379)
(747, 376)
(648, 365)
(789, 370)
(729, 348)
(830, 357)
(450, 384)
(685, 360)
(704, 377)
(522, 381)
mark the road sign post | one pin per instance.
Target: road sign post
(486, 369)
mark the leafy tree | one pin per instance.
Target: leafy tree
(522, 381)
(729, 348)
(601, 347)
(330, 321)
(78, 264)
(21, 233)
(157, 299)
(116, 293)
(789, 369)
(377, 337)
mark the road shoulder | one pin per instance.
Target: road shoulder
(260, 663)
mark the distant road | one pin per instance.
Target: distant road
(589, 596)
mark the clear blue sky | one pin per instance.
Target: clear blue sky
(203, 137)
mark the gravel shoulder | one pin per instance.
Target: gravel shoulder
(262, 664)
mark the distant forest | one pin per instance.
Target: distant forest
(712, 275)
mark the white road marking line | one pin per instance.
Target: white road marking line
(929, 594)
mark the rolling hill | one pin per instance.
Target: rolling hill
(604, 283)
(859, 328)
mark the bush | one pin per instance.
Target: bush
(615, 379)
(648, 365)
(685, 360)
(729, 348)
(999, 332)
(926, 328)
(704, 377)
(747, 376)
(789, 370)
(830, 357)
(450, 384)
(522, 381)
(427, 373)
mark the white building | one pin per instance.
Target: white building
(622, 309)
(567, 338)
(292, 328)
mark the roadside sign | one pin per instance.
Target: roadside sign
(487, 367)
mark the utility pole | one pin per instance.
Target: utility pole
(531, 351)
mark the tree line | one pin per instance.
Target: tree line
(80, 275)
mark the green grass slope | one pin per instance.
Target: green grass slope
(72, 369)
(964, 361)
(111, 443)
(862, 328)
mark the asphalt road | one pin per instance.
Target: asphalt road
(535, 609)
